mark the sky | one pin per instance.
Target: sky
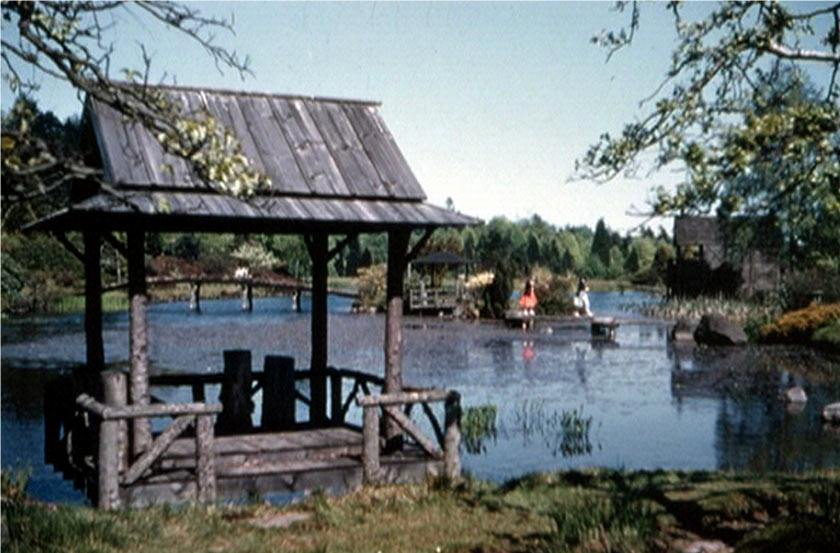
(490, 103)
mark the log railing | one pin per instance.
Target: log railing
(113, 466)
(389, 403)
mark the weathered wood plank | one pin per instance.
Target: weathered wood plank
(393, 170)
(408, 426)
(370, 453)
(236, 394)
(342, 142)
(138, 337)
(403, 397)
(157, 410)
(206, 469)
(161, 443)
(278, 409)
(274, 151)
(313, 158)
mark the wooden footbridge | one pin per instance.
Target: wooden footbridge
(246, 286)
(214, 451)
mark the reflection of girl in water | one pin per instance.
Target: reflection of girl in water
(582, 299)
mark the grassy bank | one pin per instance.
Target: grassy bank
(590, 511)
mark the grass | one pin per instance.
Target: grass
(580, 511)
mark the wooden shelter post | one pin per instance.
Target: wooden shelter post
(397, 249)
(318, 245)
(139, 340)
(93, 303)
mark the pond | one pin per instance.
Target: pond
(637, 402)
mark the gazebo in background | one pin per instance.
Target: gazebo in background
(335, 171)
(431, 287)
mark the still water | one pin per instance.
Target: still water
(647, 404)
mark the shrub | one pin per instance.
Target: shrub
(799, 326)
(372, 284)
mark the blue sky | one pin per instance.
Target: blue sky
(491, 103)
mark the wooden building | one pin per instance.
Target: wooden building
(335, 169)
(703, 245)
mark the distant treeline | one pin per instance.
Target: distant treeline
(37, 269)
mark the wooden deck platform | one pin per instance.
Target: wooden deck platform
(275, 463)
(88, 441)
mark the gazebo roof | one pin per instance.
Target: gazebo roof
(333, 165)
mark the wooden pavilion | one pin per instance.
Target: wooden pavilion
(335, 170)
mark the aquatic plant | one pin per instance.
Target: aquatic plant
(478, 424)
(563, 432)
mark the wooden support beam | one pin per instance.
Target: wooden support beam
(236, 394)
(278, 408)
(139, 338)
(340, 246)
(93, 304)
(318, 245)
(415, 249)
(159, 446)
(69, 246)
(116, 244)
(397, 246)
(412, 430)
(452, 439)
(370, 441)
(205, 459)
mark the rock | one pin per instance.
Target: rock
(683, 331)
(831, 413)
(796, 395)
(716, 330)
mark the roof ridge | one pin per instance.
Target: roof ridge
(227, 91)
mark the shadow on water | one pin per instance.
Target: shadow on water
(633, 403)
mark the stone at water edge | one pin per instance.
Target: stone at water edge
(796, 395)
(683, 331)
(831, 413)
(716, 330)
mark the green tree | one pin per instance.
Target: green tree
(719, 115)
(601, 243)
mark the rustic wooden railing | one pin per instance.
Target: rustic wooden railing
(113, 467)
(433, 298)
(389, 403)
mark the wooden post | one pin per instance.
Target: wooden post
(370, 444)
(247, 296)
(318, 251)
(296, 301)
(112, 447)
(397, 248)
(205, 459)
(142, 432)
(195, 297)
(93, 303)
(278, 408)
(452, 438)
(115, 385)
(236, 394)
(336, 414)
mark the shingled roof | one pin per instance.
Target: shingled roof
(333, 166)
